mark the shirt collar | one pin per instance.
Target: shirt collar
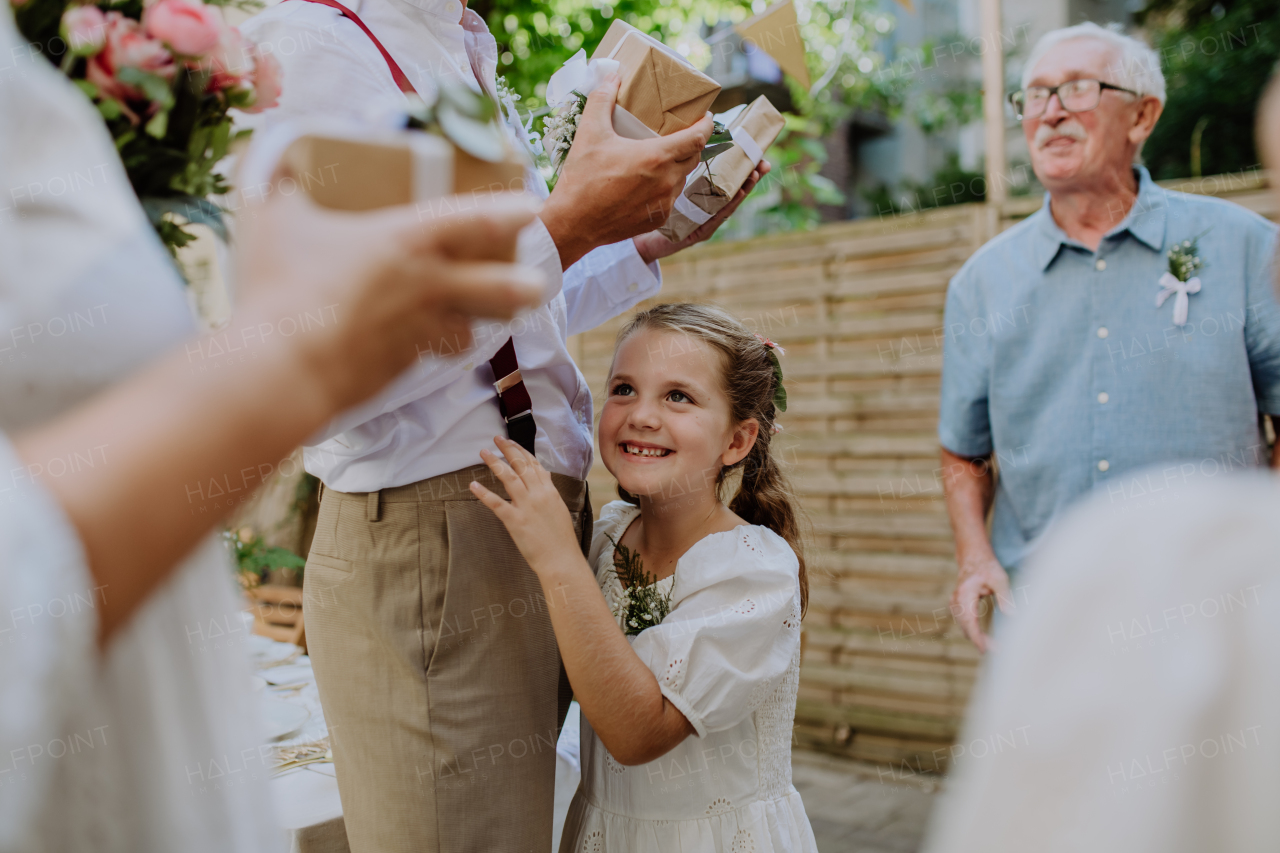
(1145, 222)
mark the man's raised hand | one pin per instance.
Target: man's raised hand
(612, 188)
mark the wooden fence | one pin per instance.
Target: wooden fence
(858, 306)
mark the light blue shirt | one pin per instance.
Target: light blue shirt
(1058, 361)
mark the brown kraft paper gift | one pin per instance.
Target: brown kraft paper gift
(659, 88)
(715, 182)
(359, 175)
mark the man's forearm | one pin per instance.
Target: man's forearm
(571, 242)
(969, 485)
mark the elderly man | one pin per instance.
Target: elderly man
(1078, 350)
(435, 659)
(1149, 708)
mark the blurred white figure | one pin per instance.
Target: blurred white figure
(1134, 702)
(152, 749)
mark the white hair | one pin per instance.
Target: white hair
(1138, 67)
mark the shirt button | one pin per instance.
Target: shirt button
(1103, 464)
(1102, 398)
(1100, 265)
(1102, 331)
(633, 287)
(470, 365)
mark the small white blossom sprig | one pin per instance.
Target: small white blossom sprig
(643, 605)
(559, 128)
(1184, 259)
(1180, 281)
(507, 97)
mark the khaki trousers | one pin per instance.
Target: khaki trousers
(437, 668)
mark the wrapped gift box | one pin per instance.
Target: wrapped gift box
(355, 174)
(659, 87)
(714, 183)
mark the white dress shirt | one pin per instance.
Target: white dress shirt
(438, 415)
(152, 744)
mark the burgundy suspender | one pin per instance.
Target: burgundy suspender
(401, 80)
(513, 397)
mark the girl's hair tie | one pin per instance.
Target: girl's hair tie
(780, 393)
(768, 343)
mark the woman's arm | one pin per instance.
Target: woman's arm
(617, 692)
(385, 284)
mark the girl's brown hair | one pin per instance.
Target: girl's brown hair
(765, 496)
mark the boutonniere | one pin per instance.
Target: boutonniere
(641, 604)
(1180, 278)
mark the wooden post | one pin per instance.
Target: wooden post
(993, 113)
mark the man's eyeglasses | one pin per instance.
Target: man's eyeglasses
(1076, 96)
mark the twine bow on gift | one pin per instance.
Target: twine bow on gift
(1170, 285)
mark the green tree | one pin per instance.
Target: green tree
(1217, 56)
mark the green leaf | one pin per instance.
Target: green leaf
(480, 138)
(110, 109)
(158, 124)
(219, 141)
(712, 150)
(87, 87)
(276, 558)
(155, 87)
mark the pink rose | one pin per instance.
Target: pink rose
(188, 26)
(229, 64)
(127, 46)
(267, 84)
(84, 28)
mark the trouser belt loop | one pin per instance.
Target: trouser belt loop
(372, 507)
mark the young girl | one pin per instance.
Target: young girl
(686, 741)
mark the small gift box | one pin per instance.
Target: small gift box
(710, 187)
(659, 86)
(356, 172)
(660, 91)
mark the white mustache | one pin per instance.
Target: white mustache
(1071, 129)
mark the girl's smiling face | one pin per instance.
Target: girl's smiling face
(667, 427)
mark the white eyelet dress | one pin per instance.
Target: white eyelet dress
(728, 656)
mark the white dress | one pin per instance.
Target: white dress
(153, 744)
(728, 656)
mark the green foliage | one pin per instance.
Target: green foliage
(952, 184)
(1217, 56)
(954, 107)
(646, 606)
(253, 556)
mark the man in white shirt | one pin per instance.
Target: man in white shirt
(437, 666)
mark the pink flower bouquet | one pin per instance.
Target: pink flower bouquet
(163, 73)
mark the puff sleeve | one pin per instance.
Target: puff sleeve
(733, 630)
(614, 518)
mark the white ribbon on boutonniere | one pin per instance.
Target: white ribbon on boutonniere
(1170, 285)
(1180, 278)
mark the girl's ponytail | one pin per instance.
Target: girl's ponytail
(765, 498)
